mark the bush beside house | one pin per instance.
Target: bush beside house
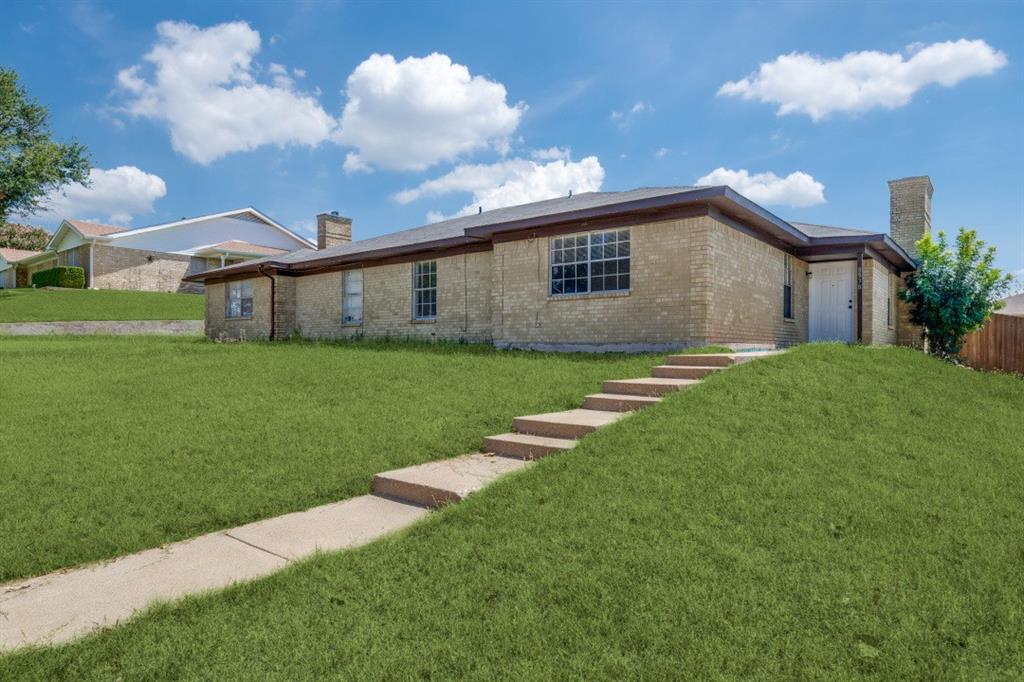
(61, 276)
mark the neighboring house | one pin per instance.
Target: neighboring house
(643, 269)
(12, 271)
(1014, 304)
(157, 258)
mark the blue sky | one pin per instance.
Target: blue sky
(191, 108)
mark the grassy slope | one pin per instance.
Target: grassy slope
(119, 444)
(832, 513)
(47, 305)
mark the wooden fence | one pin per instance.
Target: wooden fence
(997, 345)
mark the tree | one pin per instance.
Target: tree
(32, 164)
(13, 236)
(952, 294)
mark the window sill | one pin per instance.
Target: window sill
(791, 320)
(238, 319)
(351, 324)
(588, 296)
(432, 320)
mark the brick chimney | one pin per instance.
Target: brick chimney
(910, 211)
(332, 230)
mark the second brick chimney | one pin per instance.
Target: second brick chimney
(910, 211)
(332, 230)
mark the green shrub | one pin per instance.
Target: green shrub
(60, 276)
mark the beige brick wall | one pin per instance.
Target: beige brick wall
(664, 306)
(138, 270)
(76, 257)
(907, 333)
(463, 302)
(746, 291)
(876, 328)
(255, 328)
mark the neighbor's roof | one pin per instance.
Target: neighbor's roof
(15, 255)
(577, 208)
(95, 229)
(1014, 305)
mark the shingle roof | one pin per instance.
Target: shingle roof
(456, 227)
(813, 230)
(95, 229)
(15, 255)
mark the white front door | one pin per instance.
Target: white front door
(831, 301)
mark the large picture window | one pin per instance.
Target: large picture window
(787, 287)
(424, 290)
(239, 299)
(593, 262)
(352, 300)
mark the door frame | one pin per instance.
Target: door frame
(855, 302)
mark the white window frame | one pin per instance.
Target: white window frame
(568, 254)
(422, 289)
(238, 300)
(352, 291)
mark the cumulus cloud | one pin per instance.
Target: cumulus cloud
(551, 154)
(796, 189)
(114, 195)
(414, 113)
(510, 182)
(859, 81)
(202, 83)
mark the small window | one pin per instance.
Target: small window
(424, 290)
(239, 303)
(352, 302)
(593, 262)
(787, 287)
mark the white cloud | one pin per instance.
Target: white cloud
(859, 81)
(412, 114)
(114, 195)
(796, 189)
(551, 154)
(624, 119)
(510, 182)
(203, 85)
(662, 152)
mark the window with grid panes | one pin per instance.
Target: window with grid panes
(424, 290)
(592, 262)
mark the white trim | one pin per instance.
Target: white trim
(225, 214)
(92, 248)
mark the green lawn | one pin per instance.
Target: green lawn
(115, 444)
(51, 305)
(833, 513)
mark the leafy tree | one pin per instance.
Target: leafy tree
(32, 164)
(13, 236)
(953, 293)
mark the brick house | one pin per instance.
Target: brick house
(159, 257)
(651, 268)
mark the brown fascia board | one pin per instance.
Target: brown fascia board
(877, 244)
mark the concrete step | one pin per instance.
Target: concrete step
(682, 371)
(618, 402)
(568, 424)
(436, 483)
(715, 360)
(525, 446)
(719, 359)
(649, 386)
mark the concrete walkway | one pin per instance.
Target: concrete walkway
(66, 604)
(116, 327)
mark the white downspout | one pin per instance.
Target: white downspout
(222, 260)
(92, 247)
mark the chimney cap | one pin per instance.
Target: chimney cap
(913, 180)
